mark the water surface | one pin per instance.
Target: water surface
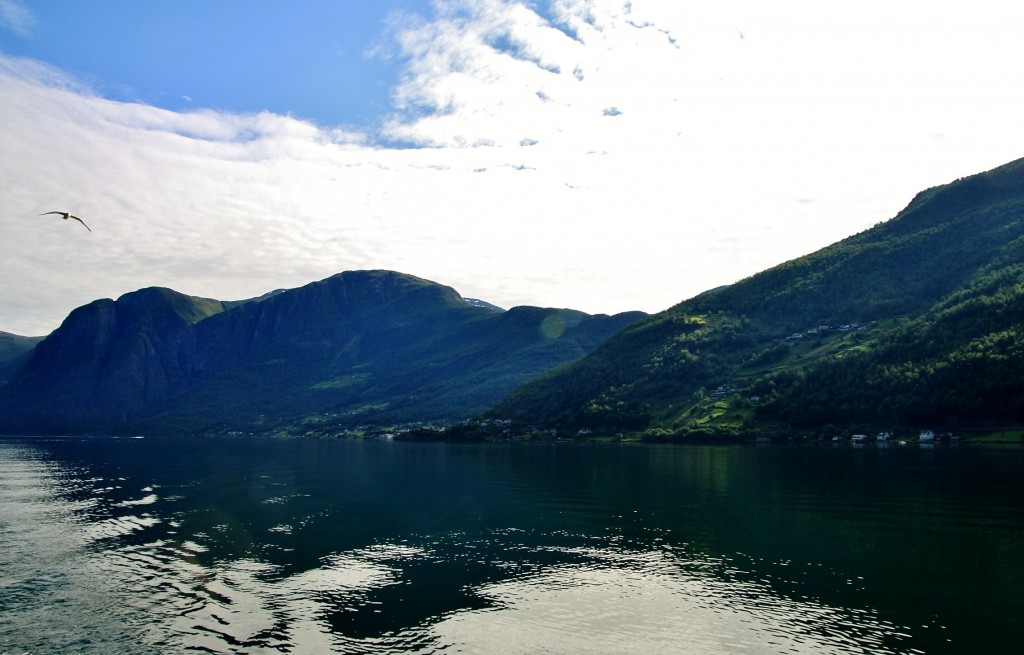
(165, 545)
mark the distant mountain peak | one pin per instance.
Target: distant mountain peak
(474, 302)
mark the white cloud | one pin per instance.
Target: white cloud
(16, 17)
(598, 155)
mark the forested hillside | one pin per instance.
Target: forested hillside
(917, 321)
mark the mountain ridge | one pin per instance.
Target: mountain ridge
(373, 347)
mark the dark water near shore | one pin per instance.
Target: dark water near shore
(164, 545)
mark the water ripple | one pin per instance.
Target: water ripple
(145, 562)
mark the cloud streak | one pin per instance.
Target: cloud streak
(17, 18)
(599, 155)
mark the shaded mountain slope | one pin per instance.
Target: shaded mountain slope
(890, 326)
(108, 361)
(363, 347)
(15, 352)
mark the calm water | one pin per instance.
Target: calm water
(258, 546)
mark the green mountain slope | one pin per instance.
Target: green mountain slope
(915, 321)
(359, 348)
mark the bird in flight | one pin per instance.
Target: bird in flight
(66, 216)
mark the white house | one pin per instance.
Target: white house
(926, 435)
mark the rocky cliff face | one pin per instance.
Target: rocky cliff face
(112, 360)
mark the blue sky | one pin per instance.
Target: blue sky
(324, 61)
(595, 154)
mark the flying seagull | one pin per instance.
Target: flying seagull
(66, 216)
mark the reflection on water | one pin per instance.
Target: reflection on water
(656, 602)
(239, 546)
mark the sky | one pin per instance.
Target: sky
(593, 154)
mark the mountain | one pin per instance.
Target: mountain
(14, 352)
(918, 321)
(358, 348)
